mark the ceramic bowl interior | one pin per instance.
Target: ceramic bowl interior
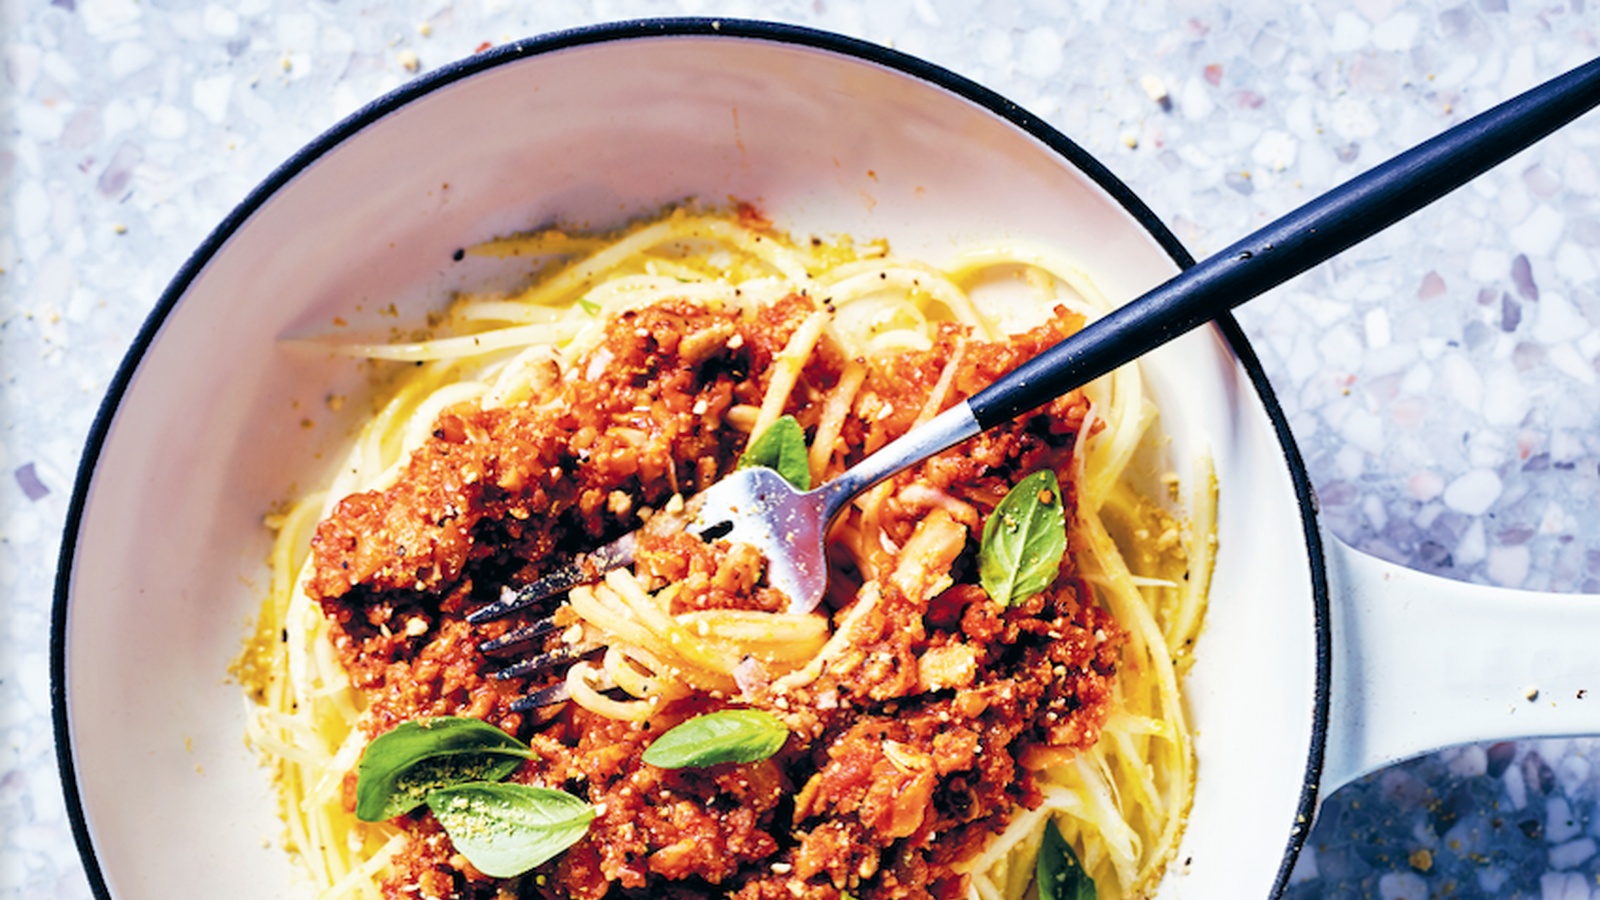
(218, 415)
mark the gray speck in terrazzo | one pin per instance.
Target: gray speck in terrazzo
(28, 480)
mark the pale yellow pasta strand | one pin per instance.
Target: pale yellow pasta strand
(786, 368)
(831, 423)
(510, 337)
(583, 693)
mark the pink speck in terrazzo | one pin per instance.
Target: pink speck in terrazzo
(1522, 277)
(1432, 286)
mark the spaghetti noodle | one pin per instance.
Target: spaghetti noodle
(933, 730)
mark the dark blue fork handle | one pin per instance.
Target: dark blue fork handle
(1294, 243)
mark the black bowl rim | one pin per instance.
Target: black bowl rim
(748, 29)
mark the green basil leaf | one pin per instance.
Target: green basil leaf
(1058, 873)
(507, 829)
(731, 735)
(401, 766)
(1024, 540)
(781, 446)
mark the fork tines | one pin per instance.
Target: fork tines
(550, 696)
(560, 656)
(581, 570)
(527, 634)
(586, 568)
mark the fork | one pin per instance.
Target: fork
(758, 507)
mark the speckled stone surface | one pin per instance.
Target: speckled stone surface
(1443, 380)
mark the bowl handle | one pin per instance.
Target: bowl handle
(1422, 662)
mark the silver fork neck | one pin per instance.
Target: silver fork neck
(942, 432)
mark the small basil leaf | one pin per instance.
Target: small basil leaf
(732, 735)
(1058, 873)
(1024, 540)
(507, 829)
(781, 446)
(401, 766)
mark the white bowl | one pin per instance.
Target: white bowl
(213, 418)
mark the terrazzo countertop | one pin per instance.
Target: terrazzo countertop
(1443, 380)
